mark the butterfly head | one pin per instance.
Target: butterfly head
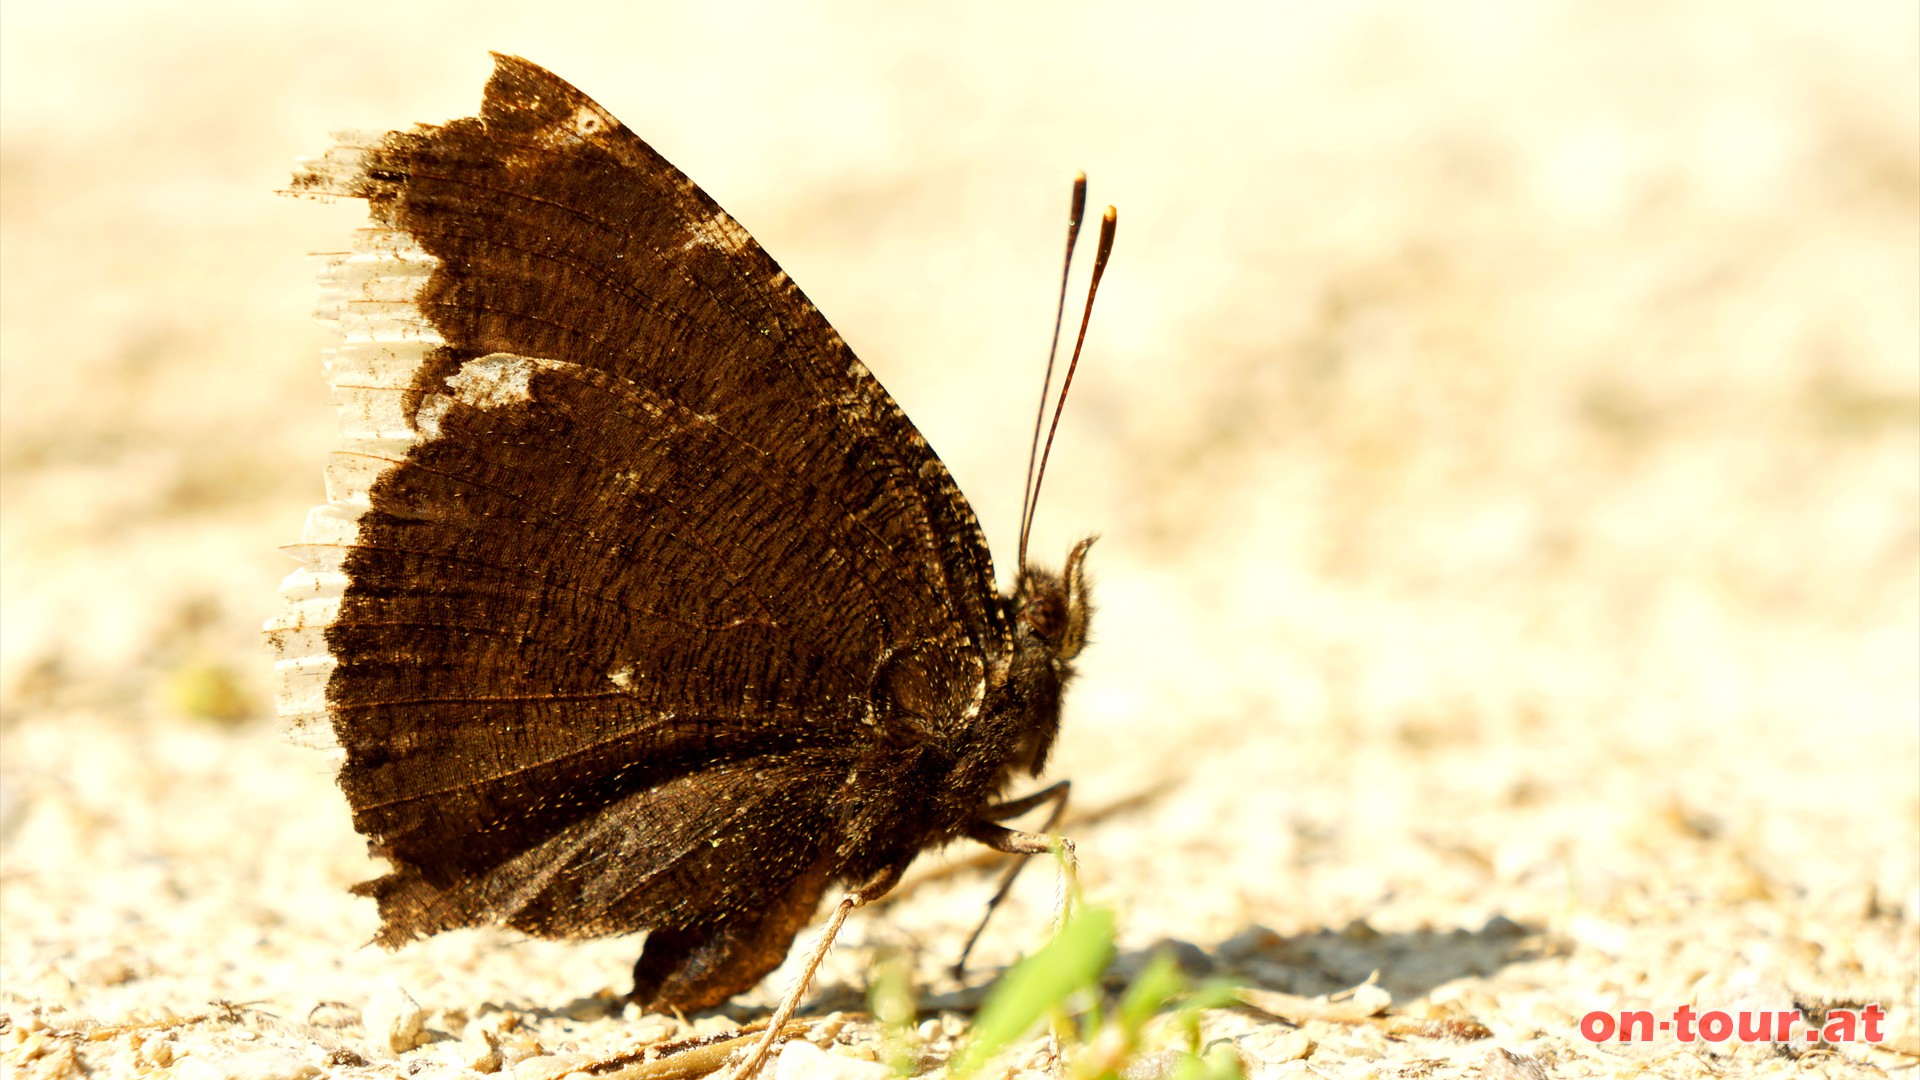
(1051, 610)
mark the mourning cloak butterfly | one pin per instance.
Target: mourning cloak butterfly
(636, 603)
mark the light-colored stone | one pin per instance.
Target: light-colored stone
(395, 1022)
(801, 1060)
(483, 1051)
(154, 1049)
(1293, 1046)
(1371, 999)
(1503, 1064)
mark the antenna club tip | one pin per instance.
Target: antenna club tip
(1111, 216)
(1080, 178)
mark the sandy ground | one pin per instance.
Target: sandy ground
(1503, 425)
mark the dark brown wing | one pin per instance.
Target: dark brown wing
(621, 543)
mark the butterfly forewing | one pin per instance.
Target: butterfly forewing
(625, 554)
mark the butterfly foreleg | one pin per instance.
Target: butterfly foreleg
(1013, 841)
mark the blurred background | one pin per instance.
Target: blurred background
(1502, 423)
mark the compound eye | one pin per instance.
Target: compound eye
(1046, 614)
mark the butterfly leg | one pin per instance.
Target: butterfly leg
(872, 889)
(1054, 793)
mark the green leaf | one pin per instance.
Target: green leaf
(1036, 986)
(1220, 1063)
(890, 997)
(1157, 984)
(1212, 994)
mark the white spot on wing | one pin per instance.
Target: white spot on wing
(494, 381)
(427, 418)
(587, 121)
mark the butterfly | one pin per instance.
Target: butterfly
(636, 603)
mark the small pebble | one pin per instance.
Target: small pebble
(107, 971)
(1371, 998)
(1247, 944)
(1502, 1064)
(1191, 958)
(1293, 1046)
(395, 1022)
(52, 986)
(649, 1028)
(548, 1066)
(1502, 927)
(483, 1051)
(1157, 1065)
(153, 1049)
(715, 1025)
(801, 1060)
(515, 1049)
(31, 1045)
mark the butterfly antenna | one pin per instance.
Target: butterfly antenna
(1108, 222)
(1074, 217)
